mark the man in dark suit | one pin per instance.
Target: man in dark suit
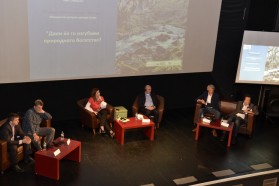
(13, 134)
(148, 103)
(240, 115)
(210, 101)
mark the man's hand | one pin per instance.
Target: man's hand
(26, 140)
(201, 101)
(248, 111)
(39, 109)
(36, 137)
(151, 107)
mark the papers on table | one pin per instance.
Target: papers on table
(56, 152)
(205, 120)
(139, 116)
(240, 115)
(224, 124)
(145, 121)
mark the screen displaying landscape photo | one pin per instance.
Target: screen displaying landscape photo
(150, 35)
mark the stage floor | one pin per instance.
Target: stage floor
(173, 157)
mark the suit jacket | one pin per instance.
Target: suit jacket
(214, 100)
(6, 133)
(141, 100)
(239, 108)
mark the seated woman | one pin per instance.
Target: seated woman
(96, 104)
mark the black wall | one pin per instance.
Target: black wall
(179, 90)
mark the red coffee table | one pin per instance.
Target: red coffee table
(120, 128)
(215, 125)
(48, 165)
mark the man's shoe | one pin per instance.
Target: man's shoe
(214, 133)
(29, 160)
(50, 146)
(16, 168)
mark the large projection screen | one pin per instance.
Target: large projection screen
(44, 40)
(259, 58)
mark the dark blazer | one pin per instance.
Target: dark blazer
(6, 134)
(141, 100)
(214, 100)
(239, 108)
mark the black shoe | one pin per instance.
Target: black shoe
(16, 168)
(29, 160)
(50, 146)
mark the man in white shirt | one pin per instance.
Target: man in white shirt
(148, 103)
(210, 104)
(240, 116)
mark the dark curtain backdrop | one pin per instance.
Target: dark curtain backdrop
(179, 90)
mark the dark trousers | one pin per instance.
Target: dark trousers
(102, 115)
(238, 122)
(204, 110)
(152, 114)
(12, 150)
(49, 132)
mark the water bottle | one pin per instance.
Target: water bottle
(62, 136)
(44, 146)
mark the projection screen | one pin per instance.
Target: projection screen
(259, 58)
(44, 40)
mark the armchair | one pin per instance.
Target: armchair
(90, 119)
(4, 157)
(160, 108)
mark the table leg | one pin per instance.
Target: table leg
(119, 133)
(75, 155)
(149, 132)
(230, 138)
(47, 166)
(197, 132)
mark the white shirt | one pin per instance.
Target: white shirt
(13, 137)
(148, 100)
(208, 98)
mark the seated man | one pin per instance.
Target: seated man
(210, 101)
(148, 103)
(13, 134)
(240, 115)
(31, 125)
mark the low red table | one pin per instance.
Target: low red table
(48, 165)
(120, 128)
(215, 125)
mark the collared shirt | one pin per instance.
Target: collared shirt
(13, 131)
(245, 107)
(148, 100)
(208, 98)
(13, 137)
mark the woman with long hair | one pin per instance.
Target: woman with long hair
(98, 105)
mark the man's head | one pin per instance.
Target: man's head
(247, 99)
(13, 119)
(38, 105)
(210, 88)
(147, 89)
